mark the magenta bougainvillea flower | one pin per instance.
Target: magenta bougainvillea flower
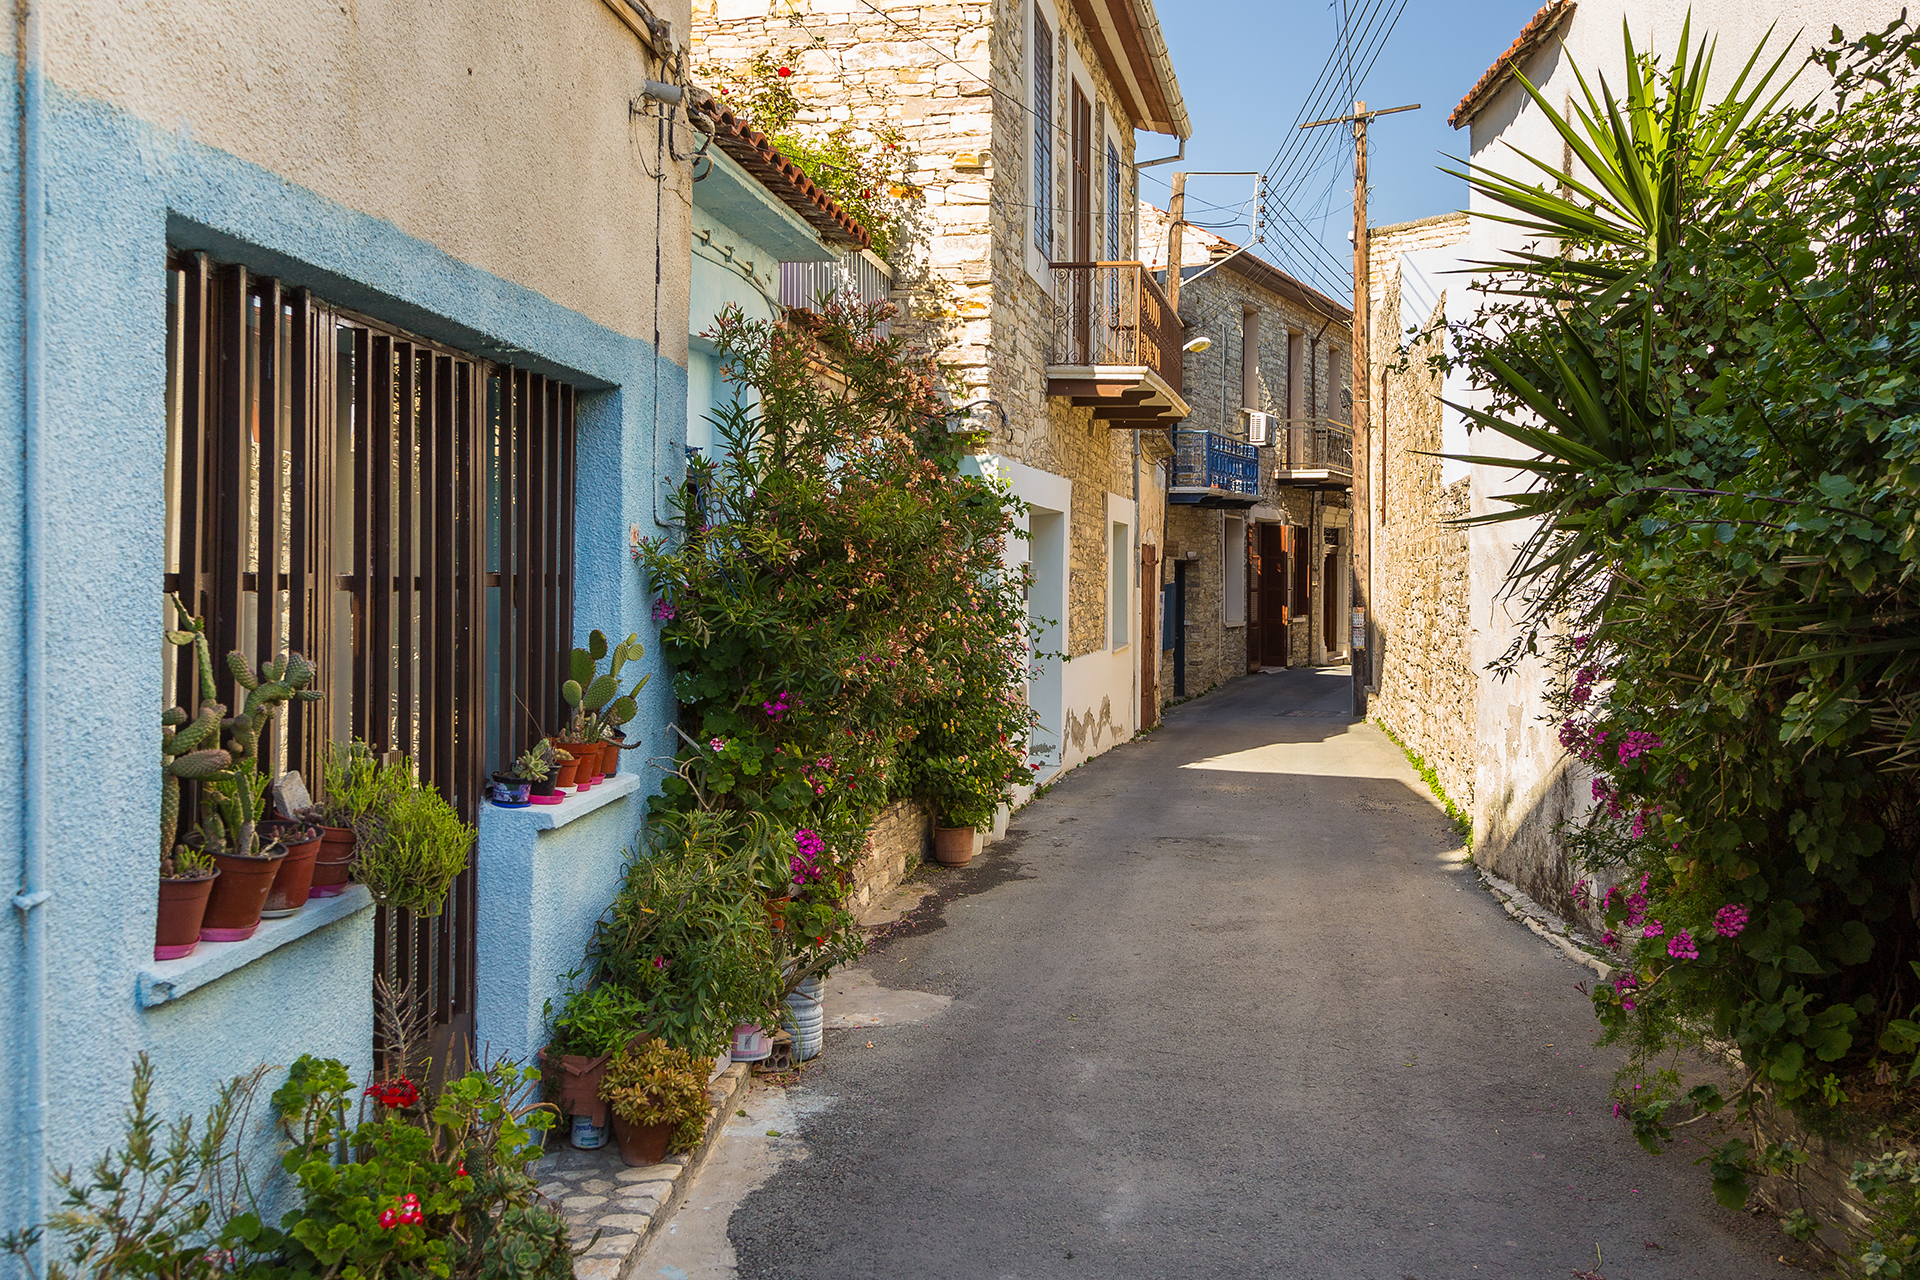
(1729, 920)
(663, 610)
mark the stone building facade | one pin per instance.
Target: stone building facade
(1281, 348)
(996, 102)
(1420, 600)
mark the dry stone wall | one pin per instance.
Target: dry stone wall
(1421, 598)
(899, 840)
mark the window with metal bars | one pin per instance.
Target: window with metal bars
(399, 512)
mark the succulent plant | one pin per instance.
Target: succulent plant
(598, 705)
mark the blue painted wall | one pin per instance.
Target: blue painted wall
(119, 191)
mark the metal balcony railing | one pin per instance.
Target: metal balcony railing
(1324, 446)
(1114, 313)
(1205, 461)
(859, 278)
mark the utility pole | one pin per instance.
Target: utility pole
(1360, 515)
(1176, 210)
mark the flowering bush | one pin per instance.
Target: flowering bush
(1717, 384)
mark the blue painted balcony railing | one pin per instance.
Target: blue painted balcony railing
(1213, 469)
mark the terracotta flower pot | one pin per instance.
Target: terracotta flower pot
(579, 1078)
(294, 880)
(568, 768)
(642, 1144)
(953, 846)
(233, 909)
(777, 911)
(611, 753)
(600, 769)
(586, 758)
(333, 864)
(183, 905)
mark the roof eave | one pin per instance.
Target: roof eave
(1541, 28)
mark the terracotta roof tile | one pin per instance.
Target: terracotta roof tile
(759, 157)
(1531, 36)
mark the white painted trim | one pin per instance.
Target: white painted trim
(164, 980)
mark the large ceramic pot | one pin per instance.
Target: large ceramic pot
(642, 1144)
(805, 1020)
(294, 881)
(183, 905)
(333, 865)
(953, 846)
(579, 1078)
(233, 909)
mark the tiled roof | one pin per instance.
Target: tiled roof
(759, 157)
(1531, 37)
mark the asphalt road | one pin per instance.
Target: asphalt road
(1227, 1003)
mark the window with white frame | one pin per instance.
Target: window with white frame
(1233, 554)
(1120, 595)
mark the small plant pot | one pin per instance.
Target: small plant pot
(510, 792)
(294, 881)
(601, 750)
(579, 1080)
(642, 1144)
(953, 846)
(751, 1043)
(183, 905)
(586, 762)
(233, 909)
(333, 865)
(569, 769)
(544, 792)
(611, 751)
(777, 912)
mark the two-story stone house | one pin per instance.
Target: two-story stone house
(1256, 571)
(1019, 268)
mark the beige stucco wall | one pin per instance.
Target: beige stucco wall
(498, 131)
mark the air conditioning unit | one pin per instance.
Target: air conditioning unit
(1259, 428)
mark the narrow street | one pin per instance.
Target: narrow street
(1226, 1002)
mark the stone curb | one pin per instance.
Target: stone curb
(1542, 922)
(627, 1206)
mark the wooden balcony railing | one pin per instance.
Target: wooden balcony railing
(1114, 313)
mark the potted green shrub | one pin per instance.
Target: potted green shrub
(595, 1023)
(658, 1096)
(411, 853)
(961, 803)
(356, 793)
(540, 766)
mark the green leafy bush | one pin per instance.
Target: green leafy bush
(1713, 371)
(659, 1084)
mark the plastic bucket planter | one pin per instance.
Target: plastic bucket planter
(751, 1044)
(805, 1020)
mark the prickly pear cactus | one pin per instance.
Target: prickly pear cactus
(598, 705)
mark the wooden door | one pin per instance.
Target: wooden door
(1329, 596)
(1275, 615)
(1149, 642)
(1253, 596)
(1082, 194)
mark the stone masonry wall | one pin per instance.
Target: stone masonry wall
(1421, 601)
(953, 78)
(1216, 305)
(900, 839)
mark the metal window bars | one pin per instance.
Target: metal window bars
(399, 512)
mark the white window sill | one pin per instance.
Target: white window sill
(164, 980)
(545, 817)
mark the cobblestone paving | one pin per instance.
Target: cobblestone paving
(598, 1193)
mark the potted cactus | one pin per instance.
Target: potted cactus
(233, 799)
(599, 708)
(188, 753)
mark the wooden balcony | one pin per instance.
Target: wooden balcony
(1317, 455)
(1116, 344)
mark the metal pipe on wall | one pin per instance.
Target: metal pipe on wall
(31, 900)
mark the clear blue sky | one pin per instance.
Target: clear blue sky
(1247, 67)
